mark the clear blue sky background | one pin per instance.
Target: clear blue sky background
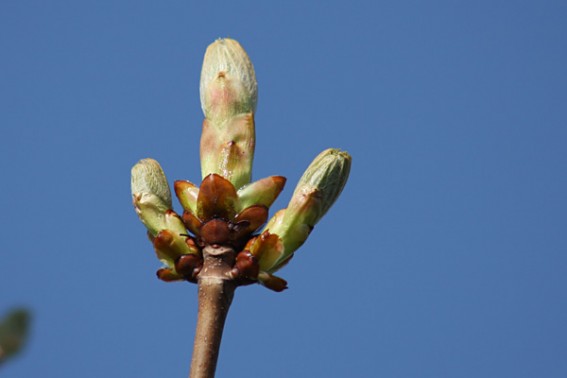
(444, 257)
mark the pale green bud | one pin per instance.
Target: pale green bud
(228, 82)
(317, 190)
(320, 186)
(262, 192)
(148, 177)
(229, 94)
(152, 197)
(187, 193)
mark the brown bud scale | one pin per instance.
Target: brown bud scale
(167, 275)
(247, 265)
(188, 265)
(215, 231)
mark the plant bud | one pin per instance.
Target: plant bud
(228, 98)
(317, 190)
(187, 194)
(262, 192)
(274, 283)
(168, 275)
(320, 185)
(151, 195)
(228, 82)
(148, 177)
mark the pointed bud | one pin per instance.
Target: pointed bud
(317, 190)
(228, 82)
(187, 194)
(228, 98)
(262, 192)
(216, 199)
(248, 221)
(274, 283)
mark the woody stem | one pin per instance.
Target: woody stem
(216, 291)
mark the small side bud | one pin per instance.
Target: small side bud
(168, 275)
(189, 266)
(246, 266)
(262, 192)
(187, 194)
(151, 195)
(316, 192)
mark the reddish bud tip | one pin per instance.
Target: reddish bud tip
(167, 275)
(272, 282)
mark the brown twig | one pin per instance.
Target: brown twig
(216, 291)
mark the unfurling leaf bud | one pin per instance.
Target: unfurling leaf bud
(228, 98)
(228, 82)
(317, 190)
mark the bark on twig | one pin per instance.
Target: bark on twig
(216, 291)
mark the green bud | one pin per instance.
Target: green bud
(320, 186)
(317, 190)
(228, 98)
(187, 193)
(148, 177)
(262, 192)
(228, 82)
(151, 195)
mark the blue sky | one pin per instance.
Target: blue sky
(444, 257)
